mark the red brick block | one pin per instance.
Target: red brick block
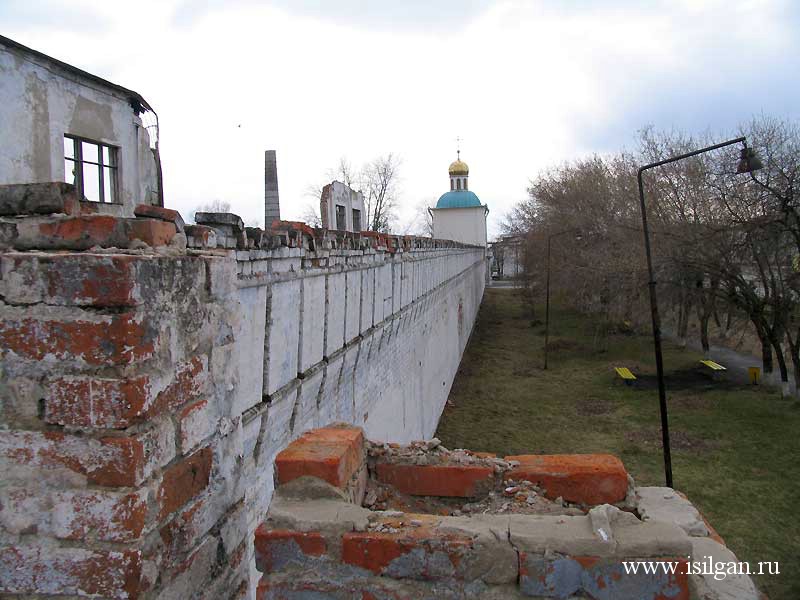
(332, 454)
(460, 481)
(580, 478)
(151, 231)
(110, 340)
(86, 515)
(275, 547)
(119, 403)
(191, 380)
(198, 421)
(71, 279)
(109, 461)
(160, 213)
(94, 402)
(184, 480)
(69, 571)
(98, 514)
(184, 530)
(76, 233)
(201, 236)
(378, 552)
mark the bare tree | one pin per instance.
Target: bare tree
(421, 223)
(379, 183)
(311, 216)
(378, 180)
(343, 172)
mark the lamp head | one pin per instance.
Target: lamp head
(748, 161)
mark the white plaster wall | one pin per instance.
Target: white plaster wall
(39, 103)
(391, 377)
(466, 225)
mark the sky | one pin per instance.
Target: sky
(525, 84)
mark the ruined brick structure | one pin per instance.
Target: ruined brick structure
(146, 387)
(569, 535)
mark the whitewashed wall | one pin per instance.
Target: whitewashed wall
(371, 338)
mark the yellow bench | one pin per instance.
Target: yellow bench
(625, 374)
(713, 365)
(716, 368)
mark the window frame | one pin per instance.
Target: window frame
(341, 224)
(356, 219)
(78, 160)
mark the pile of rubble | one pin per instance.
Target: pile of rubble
(506, 496)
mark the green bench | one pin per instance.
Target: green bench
(625, 374)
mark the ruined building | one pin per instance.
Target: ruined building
(342, 208)
(60, 123)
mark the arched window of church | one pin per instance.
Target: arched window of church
(452, 184)
(458, 183)
(465, 183)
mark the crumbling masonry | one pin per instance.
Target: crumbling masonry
(151, 371)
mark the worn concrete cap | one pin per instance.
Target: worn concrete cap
(328, 516)
(574, 536)
(727, 587)
(653, 538)
(212, 218)
(492, 559)
(665, 504)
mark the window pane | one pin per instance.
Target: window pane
(69, 171)
(91, 182)
(69, 148)
(89, 151)
(109, 184)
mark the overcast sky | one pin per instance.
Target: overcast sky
(527, 84)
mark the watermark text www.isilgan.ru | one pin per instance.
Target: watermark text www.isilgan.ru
(718, 569)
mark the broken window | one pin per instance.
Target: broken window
(92, 168)
(341, 225)
(356, 220)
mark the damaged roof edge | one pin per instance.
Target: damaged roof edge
(138, 104)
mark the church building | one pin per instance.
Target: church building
(459, 214)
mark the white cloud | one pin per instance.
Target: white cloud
(525, 84)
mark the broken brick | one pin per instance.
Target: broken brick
(589, 479)
(160, 213)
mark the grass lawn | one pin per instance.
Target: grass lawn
(735, 450)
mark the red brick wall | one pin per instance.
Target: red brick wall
(119, 479)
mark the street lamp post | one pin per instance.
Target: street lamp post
(748, 162)
(547, 293)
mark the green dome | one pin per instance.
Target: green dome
(458, 199)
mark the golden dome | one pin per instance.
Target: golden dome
(458, 167)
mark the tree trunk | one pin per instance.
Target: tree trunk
(794, 353)
(683, 319)
(704, 333)
(766, 347)
(784, 371)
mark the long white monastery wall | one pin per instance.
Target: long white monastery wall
(362, 336)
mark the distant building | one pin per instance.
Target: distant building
(342, 208)
(459, 214)
(60, 123)
(508, 256)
